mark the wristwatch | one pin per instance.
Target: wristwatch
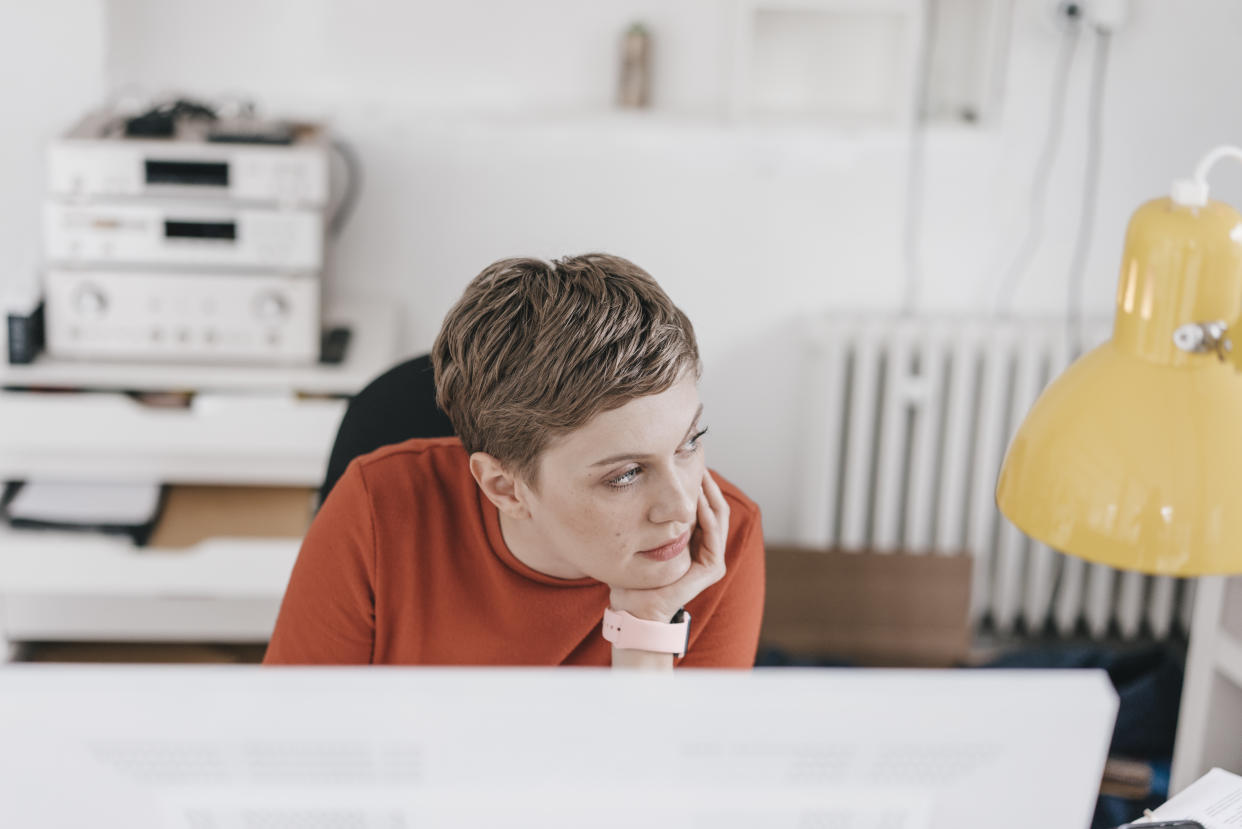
(631, 633)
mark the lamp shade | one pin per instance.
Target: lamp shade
(1131, 456)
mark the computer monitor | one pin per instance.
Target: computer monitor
(218, 747)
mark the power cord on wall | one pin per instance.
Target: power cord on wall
(343, 210)
(1091, 179)
(1043, 166)
(914, 165)
(1105, 17)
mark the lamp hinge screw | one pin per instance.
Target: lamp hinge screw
(1204, 337)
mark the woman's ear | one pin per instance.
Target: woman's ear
(499, 485)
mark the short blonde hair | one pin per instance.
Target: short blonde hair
(534, 350)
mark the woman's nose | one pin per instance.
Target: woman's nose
(676, 501)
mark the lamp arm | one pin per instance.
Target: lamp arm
(1193, 191)
(1213, 156)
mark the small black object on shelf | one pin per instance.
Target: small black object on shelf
(161, 121)
(26, 334)
(333, 344)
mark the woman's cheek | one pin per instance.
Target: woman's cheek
(694, 481)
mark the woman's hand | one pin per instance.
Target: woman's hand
(707, 562)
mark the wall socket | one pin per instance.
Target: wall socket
(1066, 15)
(1108, 15)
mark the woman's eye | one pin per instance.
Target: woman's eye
(693, 443)
(630, 475)
(624, 478)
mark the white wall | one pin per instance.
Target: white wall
(51, 69)
(485, 132)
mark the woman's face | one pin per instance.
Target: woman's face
(614, 491)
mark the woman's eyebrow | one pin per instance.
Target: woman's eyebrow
(630, 456)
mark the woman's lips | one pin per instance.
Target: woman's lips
(669, 550)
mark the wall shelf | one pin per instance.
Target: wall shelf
(107, 436)
(92, 587)
(46, 562)
(372, 348)
(244, 426)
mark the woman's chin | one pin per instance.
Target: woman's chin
(652, 574)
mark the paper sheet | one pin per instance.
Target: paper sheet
(1215, 800)
(90, 504)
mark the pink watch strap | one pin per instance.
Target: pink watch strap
(631, 633)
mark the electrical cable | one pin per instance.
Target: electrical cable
(348, 201)
(1083, 237)
(1043, 170)
(1091, 181)
(1039, 185)
(160, 121)
(912, 232)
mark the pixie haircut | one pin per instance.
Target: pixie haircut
(534, 350)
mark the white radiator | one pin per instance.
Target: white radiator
(908, 422)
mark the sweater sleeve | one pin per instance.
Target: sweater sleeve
(733, 607)
(327, 616)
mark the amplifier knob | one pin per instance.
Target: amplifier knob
(90, 301)
(271, 306)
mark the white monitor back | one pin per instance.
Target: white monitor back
(225, 747)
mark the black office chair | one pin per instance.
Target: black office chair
(398, 405)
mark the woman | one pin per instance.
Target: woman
(572, 521)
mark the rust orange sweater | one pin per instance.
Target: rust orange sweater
(405, 564)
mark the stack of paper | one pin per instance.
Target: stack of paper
(1215, 800)
(101, 506)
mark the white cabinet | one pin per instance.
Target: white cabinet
(226, 438)
(1211, 706)
(244, 425)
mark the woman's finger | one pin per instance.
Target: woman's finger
(713, 538)
(714, 496)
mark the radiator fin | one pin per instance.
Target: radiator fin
(906, 424)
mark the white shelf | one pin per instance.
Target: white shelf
(87, 586)
(372, 349)
(270, 440)
(658, 130)
(66, 564)
(245, 425)
(134, 619)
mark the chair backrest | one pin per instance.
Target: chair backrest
(398, 405)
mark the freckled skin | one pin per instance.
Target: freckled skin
(576, 524)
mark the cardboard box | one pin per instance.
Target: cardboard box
(192, 514)
(868, 608)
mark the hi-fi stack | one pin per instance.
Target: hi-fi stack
(204, 245)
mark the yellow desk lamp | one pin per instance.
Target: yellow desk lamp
(1130, 457)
